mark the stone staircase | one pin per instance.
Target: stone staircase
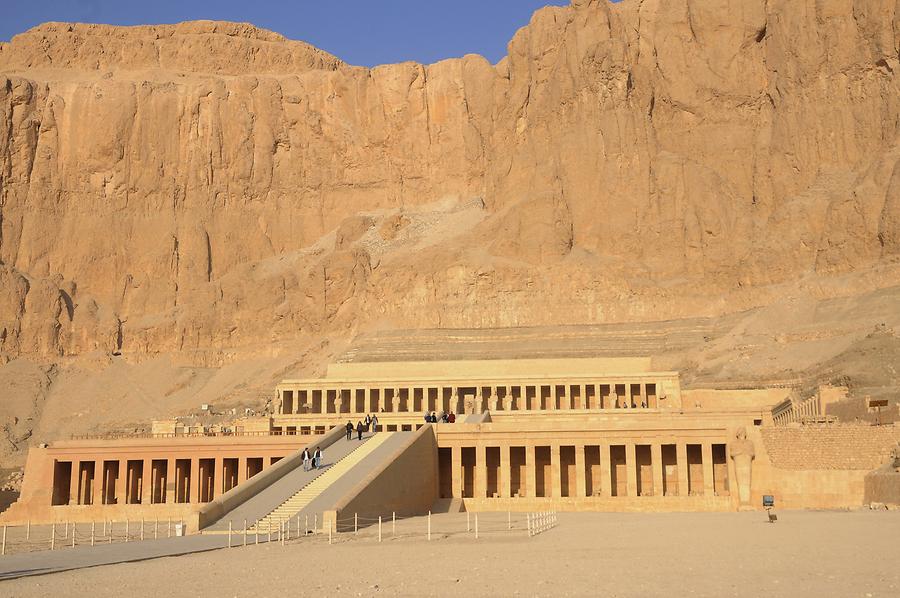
(296, 503)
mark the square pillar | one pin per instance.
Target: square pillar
(170, 481)
(480, 471)
(147, 482)
(555, 471)
(709, 488)
(580, 479)
(97, 485)
(582, 397)
(121, 481)
(597, 397)
(74, 480)
(242, 470)
(644, 400)
(505, 471)
(456, 471)
(194, 481)
(628, 397)
(681, 455)
(631, 469)
(657, 465)
(605, 470)
(530, 472)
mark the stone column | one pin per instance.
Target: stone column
(582, 396)
(598, 399)
(170, 481)
(456, 473)
(395, 401)
(480, 490)
(74, 480)
(505, 471)
(367, 400)
(536, 399)
(97, 485)
(605, 470)
(194, 481)
(657, 464)
(628, 397)
(644, 400)
(147, 482)
(709, 488)
(411, 400)
(682, 465)
(121, 480)
(631, 469)
(218, 477)
(555, 472)
(580, 478)
(530, 471)
(242, 470)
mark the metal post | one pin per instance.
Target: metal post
(393, 523)
(142, 530)
(74, 533)
(269, 529)
(256, 531)
(355, 523)
(3, 548)
(93, 524)
(104, 527)
(109, 538)
(379, 528)
(127, 529)
(245, 532)
(429, 525)
(476, 526)
(53, 537)
(28, 529)
(229, 534)
(67, 531)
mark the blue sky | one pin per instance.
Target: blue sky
(362, 32)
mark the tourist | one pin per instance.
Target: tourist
(374, 423)
(433, 417)
(427, 418)
(451, 418)
(367, 421)
(317, 458)
(349, 428)
(305, 459)
(359, 430)
(445, 418)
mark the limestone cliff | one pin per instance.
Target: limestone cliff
(204, 188)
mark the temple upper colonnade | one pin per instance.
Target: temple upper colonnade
(471, 387)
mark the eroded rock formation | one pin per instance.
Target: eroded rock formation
(207, 187)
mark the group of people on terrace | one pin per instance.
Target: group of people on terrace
(362, 426)
(445, 418)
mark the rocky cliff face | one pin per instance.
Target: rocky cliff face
(208, 187)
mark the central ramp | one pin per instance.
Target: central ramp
(312, 492)
(299, 501)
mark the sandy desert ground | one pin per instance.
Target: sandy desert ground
(597, 554)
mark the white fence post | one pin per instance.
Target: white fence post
(379, 528)
(429, 525)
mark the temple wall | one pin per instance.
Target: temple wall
(858, 447)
